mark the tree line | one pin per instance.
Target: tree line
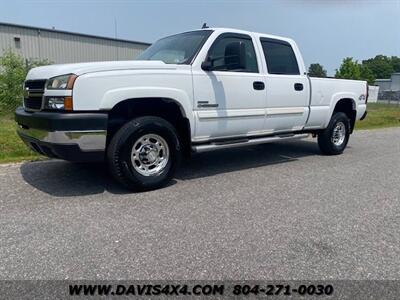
(381, 66)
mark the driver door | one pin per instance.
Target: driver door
(229, 91)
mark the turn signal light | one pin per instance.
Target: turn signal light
(68, 103)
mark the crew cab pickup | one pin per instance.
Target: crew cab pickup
(191, 92)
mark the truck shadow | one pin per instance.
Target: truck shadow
(64, 179)
(235, 159)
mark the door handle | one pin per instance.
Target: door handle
(258, 85)
(298, 86)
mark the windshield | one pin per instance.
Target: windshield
(176, 49)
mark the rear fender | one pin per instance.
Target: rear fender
(335, 99)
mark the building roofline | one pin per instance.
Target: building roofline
(73, 33)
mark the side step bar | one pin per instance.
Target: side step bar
(248, 142)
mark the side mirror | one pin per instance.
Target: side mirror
(207, 65)
(235, 56)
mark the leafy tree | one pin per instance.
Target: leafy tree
(349, 69)
(13, 71)
(12, 75)
(382, 66)
(367, 74)
(396, 63)
(316, 70)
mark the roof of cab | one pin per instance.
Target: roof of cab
(257, 34)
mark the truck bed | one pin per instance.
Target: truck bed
(325, 91)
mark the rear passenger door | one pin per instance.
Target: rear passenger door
(287, 90)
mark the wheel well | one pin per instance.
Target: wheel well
(167, 109)
(347, 106)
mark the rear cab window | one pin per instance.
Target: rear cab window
(280, 57)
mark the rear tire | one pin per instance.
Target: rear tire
(333, 140)
(144, 153)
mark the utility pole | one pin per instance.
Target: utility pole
(115, 27)
(116, 34)
(38, 35)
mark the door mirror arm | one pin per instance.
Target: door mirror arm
(208, 64)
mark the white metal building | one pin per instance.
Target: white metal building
(65, 47)
(392, 84)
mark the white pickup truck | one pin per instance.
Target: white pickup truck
(191, 92)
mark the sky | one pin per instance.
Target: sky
(325, 30)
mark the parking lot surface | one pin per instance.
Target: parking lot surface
(274, 211)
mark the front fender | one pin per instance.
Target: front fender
(115, 96)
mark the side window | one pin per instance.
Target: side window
(221, 55)
(280, 57)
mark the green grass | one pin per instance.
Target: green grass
(12, 149)
(380, 116)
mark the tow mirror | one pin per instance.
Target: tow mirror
(208, 64)
(234, 58)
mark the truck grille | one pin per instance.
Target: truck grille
(33, 97)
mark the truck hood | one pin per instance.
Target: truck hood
(47, 72)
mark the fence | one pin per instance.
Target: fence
(389, 96)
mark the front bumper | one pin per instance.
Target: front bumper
(69, 136)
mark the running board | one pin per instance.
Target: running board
(248, 142)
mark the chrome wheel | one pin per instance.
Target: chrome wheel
(339, 134)
(150, 155)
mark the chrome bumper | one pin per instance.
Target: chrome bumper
(69, 136)
(87, 140)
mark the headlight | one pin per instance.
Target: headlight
(63, 82)
(60, 103)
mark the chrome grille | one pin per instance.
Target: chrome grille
(33, 97)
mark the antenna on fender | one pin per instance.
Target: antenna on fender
(204, 26)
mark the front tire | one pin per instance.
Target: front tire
(144, 153)
(333, 140)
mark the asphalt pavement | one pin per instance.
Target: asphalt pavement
(274, 211)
